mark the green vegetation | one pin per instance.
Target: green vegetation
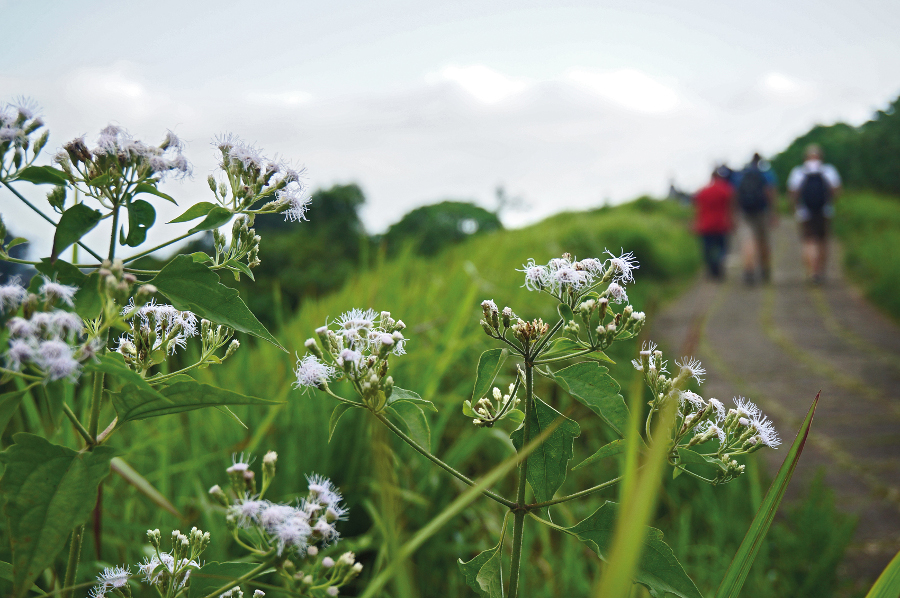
(393, 493)
(868, 156)
(869, 226)
(429, 229)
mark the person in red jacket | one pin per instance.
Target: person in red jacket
(714, 206)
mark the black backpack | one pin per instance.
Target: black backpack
(751, 192)
(814, 192)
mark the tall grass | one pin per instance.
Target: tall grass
(392, 491)
(869, 226)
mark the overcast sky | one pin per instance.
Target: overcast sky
(566, 105)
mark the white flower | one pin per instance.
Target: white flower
(247, 512)
(322, 490)
(328, 562)
(693, 365)
(65, 323)
(766, 431)
(569, 276)
(708, 427)
(56, 359)
(332, 591)
(54, 291)
(624, 264)
(20, 327)
(692, 398)
(489, 306)
(592, 265)
(745, 408)
(296, 195)
(325, 531)
(312, 373)
(273, 515)
(20, 352)
(357, 319)
(617, 293)
(293, 531)
(536, 277)
(719, 408)
(12, 294)
(114, 577)
(350, 356)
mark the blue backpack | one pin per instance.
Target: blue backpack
(751, 191)
(815, 192)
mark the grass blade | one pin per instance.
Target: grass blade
(888, 583)
(743, 560)
(130, 475)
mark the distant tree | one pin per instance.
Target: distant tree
(867, 156)
(431, 228)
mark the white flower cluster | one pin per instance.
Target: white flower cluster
(488, 412)
(48, 339)
(288, 183)
(298, 527)
(154, 327)
(166, 158)
(17, 122)
(169, 572)
(358, 345)
(741, 429)
(566, 274)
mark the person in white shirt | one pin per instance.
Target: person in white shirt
(813, 187)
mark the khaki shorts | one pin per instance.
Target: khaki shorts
(754, 227)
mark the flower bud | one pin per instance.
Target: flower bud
(328, 562)
(507, 315)
(269, 464)
(232, 347)
(486, 328)
(313, 347)
(312, 551)
(211, 181)
(217, 493)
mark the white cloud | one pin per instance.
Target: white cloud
(628, 88)
(485, 84)
(281, 98)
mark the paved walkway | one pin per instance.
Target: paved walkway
(781, 343)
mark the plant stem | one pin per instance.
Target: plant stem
(72, 566)
(152, 249)
(591, 490)
(78, 425)
(96, 400)
(519, 520)
(243, 578)
(115, 227)
(439, 463)
(47, 218)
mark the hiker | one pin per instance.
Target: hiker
(713, 205)
(755, 192)
(813, 186)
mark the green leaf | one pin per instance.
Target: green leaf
(888, 583)
(87, 298)
(99, 181)
(565, 312)
(60, 270)
(130, 475)
(133, 402)
(200, 257)
(212, 576)
(339, 410)
(241, 267)
(743, 560)
(412, 420)
(9, 402)
(47, 490)
(607, 450)
(43, 175)
(194, 287)
(6, 572)
(16, 242)
(658, 569)
(401, 395)
(712, 465)
(489, 365)
(214, 219)
(561, 347)
(141, 216)
(113, 363)
(516, 416)
(195, 211)
(548, 463)
(152, 190)
(484, 573)
(590, 384)
(467, 409)
(75, 222)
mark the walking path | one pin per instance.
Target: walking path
(779, 345)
